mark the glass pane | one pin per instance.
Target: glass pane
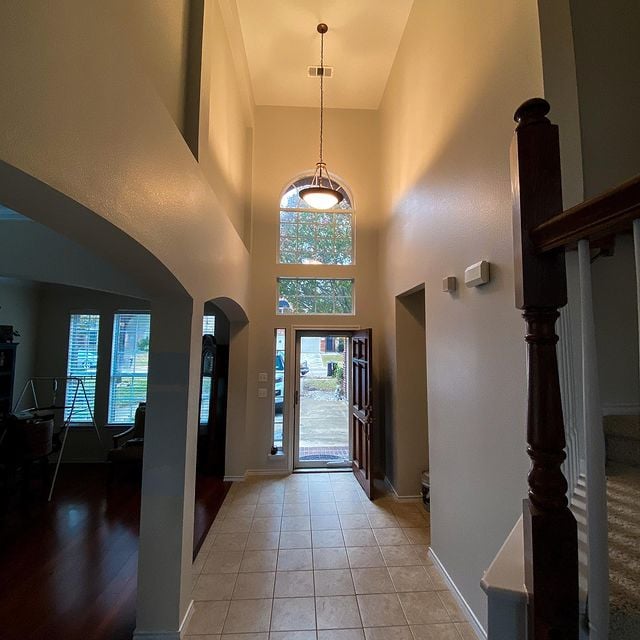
(324, 400)
(209, 325)
(316, 238)
(315, 296)
(129, 365)
(278, 391)
(82, 363)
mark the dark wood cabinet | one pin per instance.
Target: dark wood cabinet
(7, 376)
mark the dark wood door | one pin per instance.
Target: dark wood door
(362, 422)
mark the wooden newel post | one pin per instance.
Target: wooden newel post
(550, 534)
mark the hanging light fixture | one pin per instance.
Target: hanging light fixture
(322, 193)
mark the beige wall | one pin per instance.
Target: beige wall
(461, 70)
(158, 32)
(286, 145)
(19, 306)
(225, 133)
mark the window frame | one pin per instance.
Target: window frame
(351, 211)
(316, 277)
(120, 312)
(68, 388)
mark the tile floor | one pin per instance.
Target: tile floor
(309, 557)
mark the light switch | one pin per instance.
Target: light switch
(262, 392)
(262, 377)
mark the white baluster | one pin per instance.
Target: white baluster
(598, 558)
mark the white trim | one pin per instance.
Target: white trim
(398, 498)
(466, 609)
(186, 619)
(234, 478)
(621, 409)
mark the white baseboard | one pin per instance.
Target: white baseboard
(234, 478)
(621, 409)
(465, 608)
(394, 494)
(268, 472)
(167, 635)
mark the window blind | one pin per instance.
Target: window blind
(129, 365)
(82, 362)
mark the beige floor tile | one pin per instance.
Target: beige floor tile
(276, 499)
(451, 605)
(292, 584)
(411, 578)
(241, 511)
(207, 637)
(230, 541)
(337, 612)
(374, 580)
(292, 635)
(422, 550)
(208, 617)
(246, 616)
(466, 631)
(268, 511)
(262, 540)
(359, 538)
(381, 610)
(390, 537)
(295, 540)
(333, 582)
(341, 634)
(260, 560)
(327, 538)
(418, 536)
(382, 520)
(399, 556)
(436, 578)
(266, 524)
(388, 633)
(446, 631)
(214, 586)
(361, 557)
(354, 521)
(221, 561)
(296, 509)
(424, 607)
(322, 496)
(234, 525)
(325, 522)
(296, 523)
(323, 509)
(295, 560)
(350, 507)
(244, 636)
(413, 521)
(252, 586)
(293, 614)
(330, 558)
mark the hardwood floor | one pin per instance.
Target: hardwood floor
(68, 569)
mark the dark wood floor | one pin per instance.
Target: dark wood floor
(68, 569)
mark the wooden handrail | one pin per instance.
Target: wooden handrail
(605, 215)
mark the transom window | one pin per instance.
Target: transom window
(309, 236)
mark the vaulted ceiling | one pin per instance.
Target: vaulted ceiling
(281, 42)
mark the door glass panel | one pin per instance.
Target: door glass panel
(323, 420)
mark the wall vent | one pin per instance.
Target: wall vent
(316, 72)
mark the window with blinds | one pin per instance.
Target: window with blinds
(209, 326)
(129, 365)
(82, 363)
(208, 329)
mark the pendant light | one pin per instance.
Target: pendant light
(322, 193)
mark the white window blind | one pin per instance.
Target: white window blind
(208, 329)
(82, 362)
(129, 365)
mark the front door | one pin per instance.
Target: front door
(322, 400)
(362, 409)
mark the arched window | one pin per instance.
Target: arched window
(310, 236)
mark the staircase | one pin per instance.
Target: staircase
(579, 508)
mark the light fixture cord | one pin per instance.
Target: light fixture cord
(321, 99)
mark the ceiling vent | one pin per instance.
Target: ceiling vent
(316, 72)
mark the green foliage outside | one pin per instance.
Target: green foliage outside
(315, 295)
